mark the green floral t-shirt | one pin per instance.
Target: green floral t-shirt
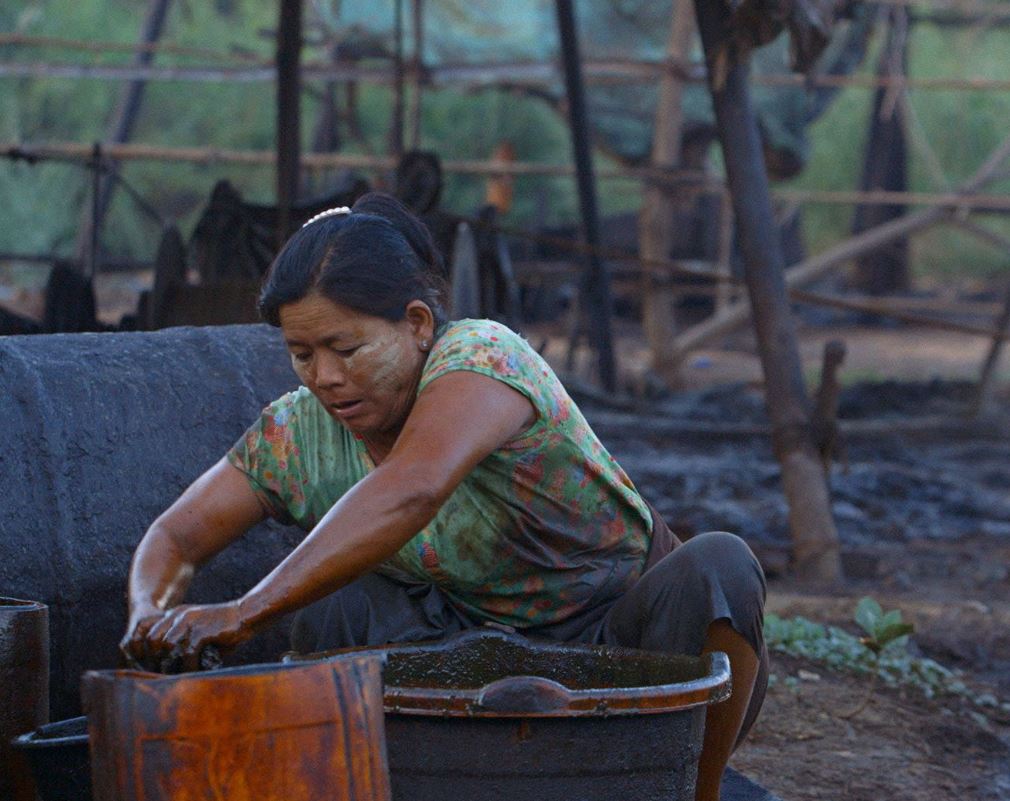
(546, 526)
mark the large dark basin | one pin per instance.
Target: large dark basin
(488, 715)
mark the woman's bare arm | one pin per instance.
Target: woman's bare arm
(457, 421)
(218, 508)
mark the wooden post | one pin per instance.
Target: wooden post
(814, 538)
(120, 128)
(289, 52)
(885, 167)
(596, 285)
(655, 223)
(991, 360)
(396, 124)
(416, 66)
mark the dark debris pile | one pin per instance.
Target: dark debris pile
(892, 487)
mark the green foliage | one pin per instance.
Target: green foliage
(40, 205)
(883, 653)
(882, 629)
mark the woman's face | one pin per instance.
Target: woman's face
(363, 369)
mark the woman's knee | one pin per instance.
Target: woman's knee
(723, 557)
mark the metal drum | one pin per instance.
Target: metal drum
(24, 687)
(101, 434)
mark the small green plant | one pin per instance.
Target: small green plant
(882, 628)
(882, 654)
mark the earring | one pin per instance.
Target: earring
(424, 344)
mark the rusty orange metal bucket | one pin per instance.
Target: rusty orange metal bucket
(265, 732)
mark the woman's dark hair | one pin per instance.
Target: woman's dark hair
(374, 260)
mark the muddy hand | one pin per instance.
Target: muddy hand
(187, 637)
(134, 645)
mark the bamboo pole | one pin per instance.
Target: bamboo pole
(655, 224)
(416, 75)
(861, 303)
(997, 240)
(815, 550)
(396, 119)
(538, 74)
(596, 305)
(288, 160)
(119, 129)
(961, 202)
(105, 47)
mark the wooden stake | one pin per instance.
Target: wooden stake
(988, 371)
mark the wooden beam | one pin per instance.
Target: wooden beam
(105, 47)
(815, 549)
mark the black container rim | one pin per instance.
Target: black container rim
(36, 739)
(19, 603)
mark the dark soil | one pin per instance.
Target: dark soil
(922, 506)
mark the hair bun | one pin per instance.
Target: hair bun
(414, 231)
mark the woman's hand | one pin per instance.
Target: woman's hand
(133, 646)
(182, 633)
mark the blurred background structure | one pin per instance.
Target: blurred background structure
(626, 192)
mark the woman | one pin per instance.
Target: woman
(446, 480)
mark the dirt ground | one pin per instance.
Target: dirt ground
(922, 504)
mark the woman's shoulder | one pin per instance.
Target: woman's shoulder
(481, 332)
(482, 346)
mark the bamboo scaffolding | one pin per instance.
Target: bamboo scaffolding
(874, 306)
(92, 46)
(515, 74)
(812, 268)
(983, 10)
(73, 151)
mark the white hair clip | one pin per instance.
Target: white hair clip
(327, 213)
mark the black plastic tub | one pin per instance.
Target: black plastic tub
(58, 756)
(488, 716)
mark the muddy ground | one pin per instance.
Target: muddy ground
(922, 504)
